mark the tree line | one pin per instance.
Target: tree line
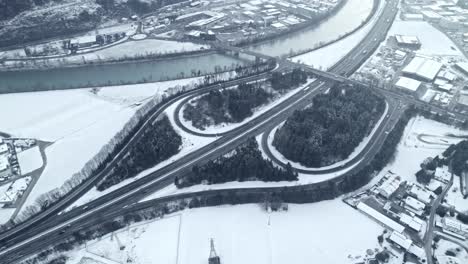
(331, 128)
(245, 164)
(234, 105)
(158, 142)
(226, 106)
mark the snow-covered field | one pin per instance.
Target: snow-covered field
(461, 256)
(313, 233)
(411, 151)
(78, 122)
(190, 143)
(144, 47)
(30, 160)
(433, 42)
(455, 197)
(327, 56)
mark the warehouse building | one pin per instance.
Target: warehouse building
(411, 42)
(422, 69)
(410, 86)
(462, 103)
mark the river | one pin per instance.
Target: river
(111, 74)
(348, 18)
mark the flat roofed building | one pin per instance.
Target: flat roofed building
(414, 203)
(408, 84)
(400, 239)
(383, 219)
(408, 41)
(389, 186)
(462, 102)
(3, 148)
(463, 67)
(423, 69)
(411, 221)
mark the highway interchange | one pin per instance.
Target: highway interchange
(48, 228)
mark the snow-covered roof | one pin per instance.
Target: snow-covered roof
(463, 66)
(408, 84)
(424, 68)
(389, 186)
(3, 148)
(443, 173)
(463, 100)
(422, 194)
(414, 203)
(413, 222)
(401, 240)
(380, 217)
(404, 39)
(417, 251)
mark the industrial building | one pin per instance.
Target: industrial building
(404, 41)
(462, 103)
(408, 85)
(389, 186)
(422, 69)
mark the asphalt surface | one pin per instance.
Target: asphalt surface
(35, 237)
(27, 230)
(429, 235)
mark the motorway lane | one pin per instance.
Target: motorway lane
(381, 131)
(168, 173)
(90, 183)
(235, 142)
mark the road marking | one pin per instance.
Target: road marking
(320, 84)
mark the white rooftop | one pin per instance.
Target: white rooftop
(408, 84)
(401, 240)
(424, 68)
(380, 217)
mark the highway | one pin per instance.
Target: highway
(217, 148)
(31, 237)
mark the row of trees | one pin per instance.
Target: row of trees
(281, 81)
(331, 128)
(245, 164)
(110, 150)
(295, 194)
(236, 104)
(158, 142)
(226, 106)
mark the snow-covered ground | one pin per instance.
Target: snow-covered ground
(357, 150)
(30, 160)
(221, 128)
(455, 197)
(144, 47)
(411, 151)
(131, 94)
(5, 214)
(78, 122)
(461, 256)
(247, 234)
(190, 143)
(10, 192)
(327, 56)
(433, 42)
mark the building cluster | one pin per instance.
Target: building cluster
(85, 42)
(431, 79)
(237, 21)
(9, 148)
(401, 207)
(444, 13)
